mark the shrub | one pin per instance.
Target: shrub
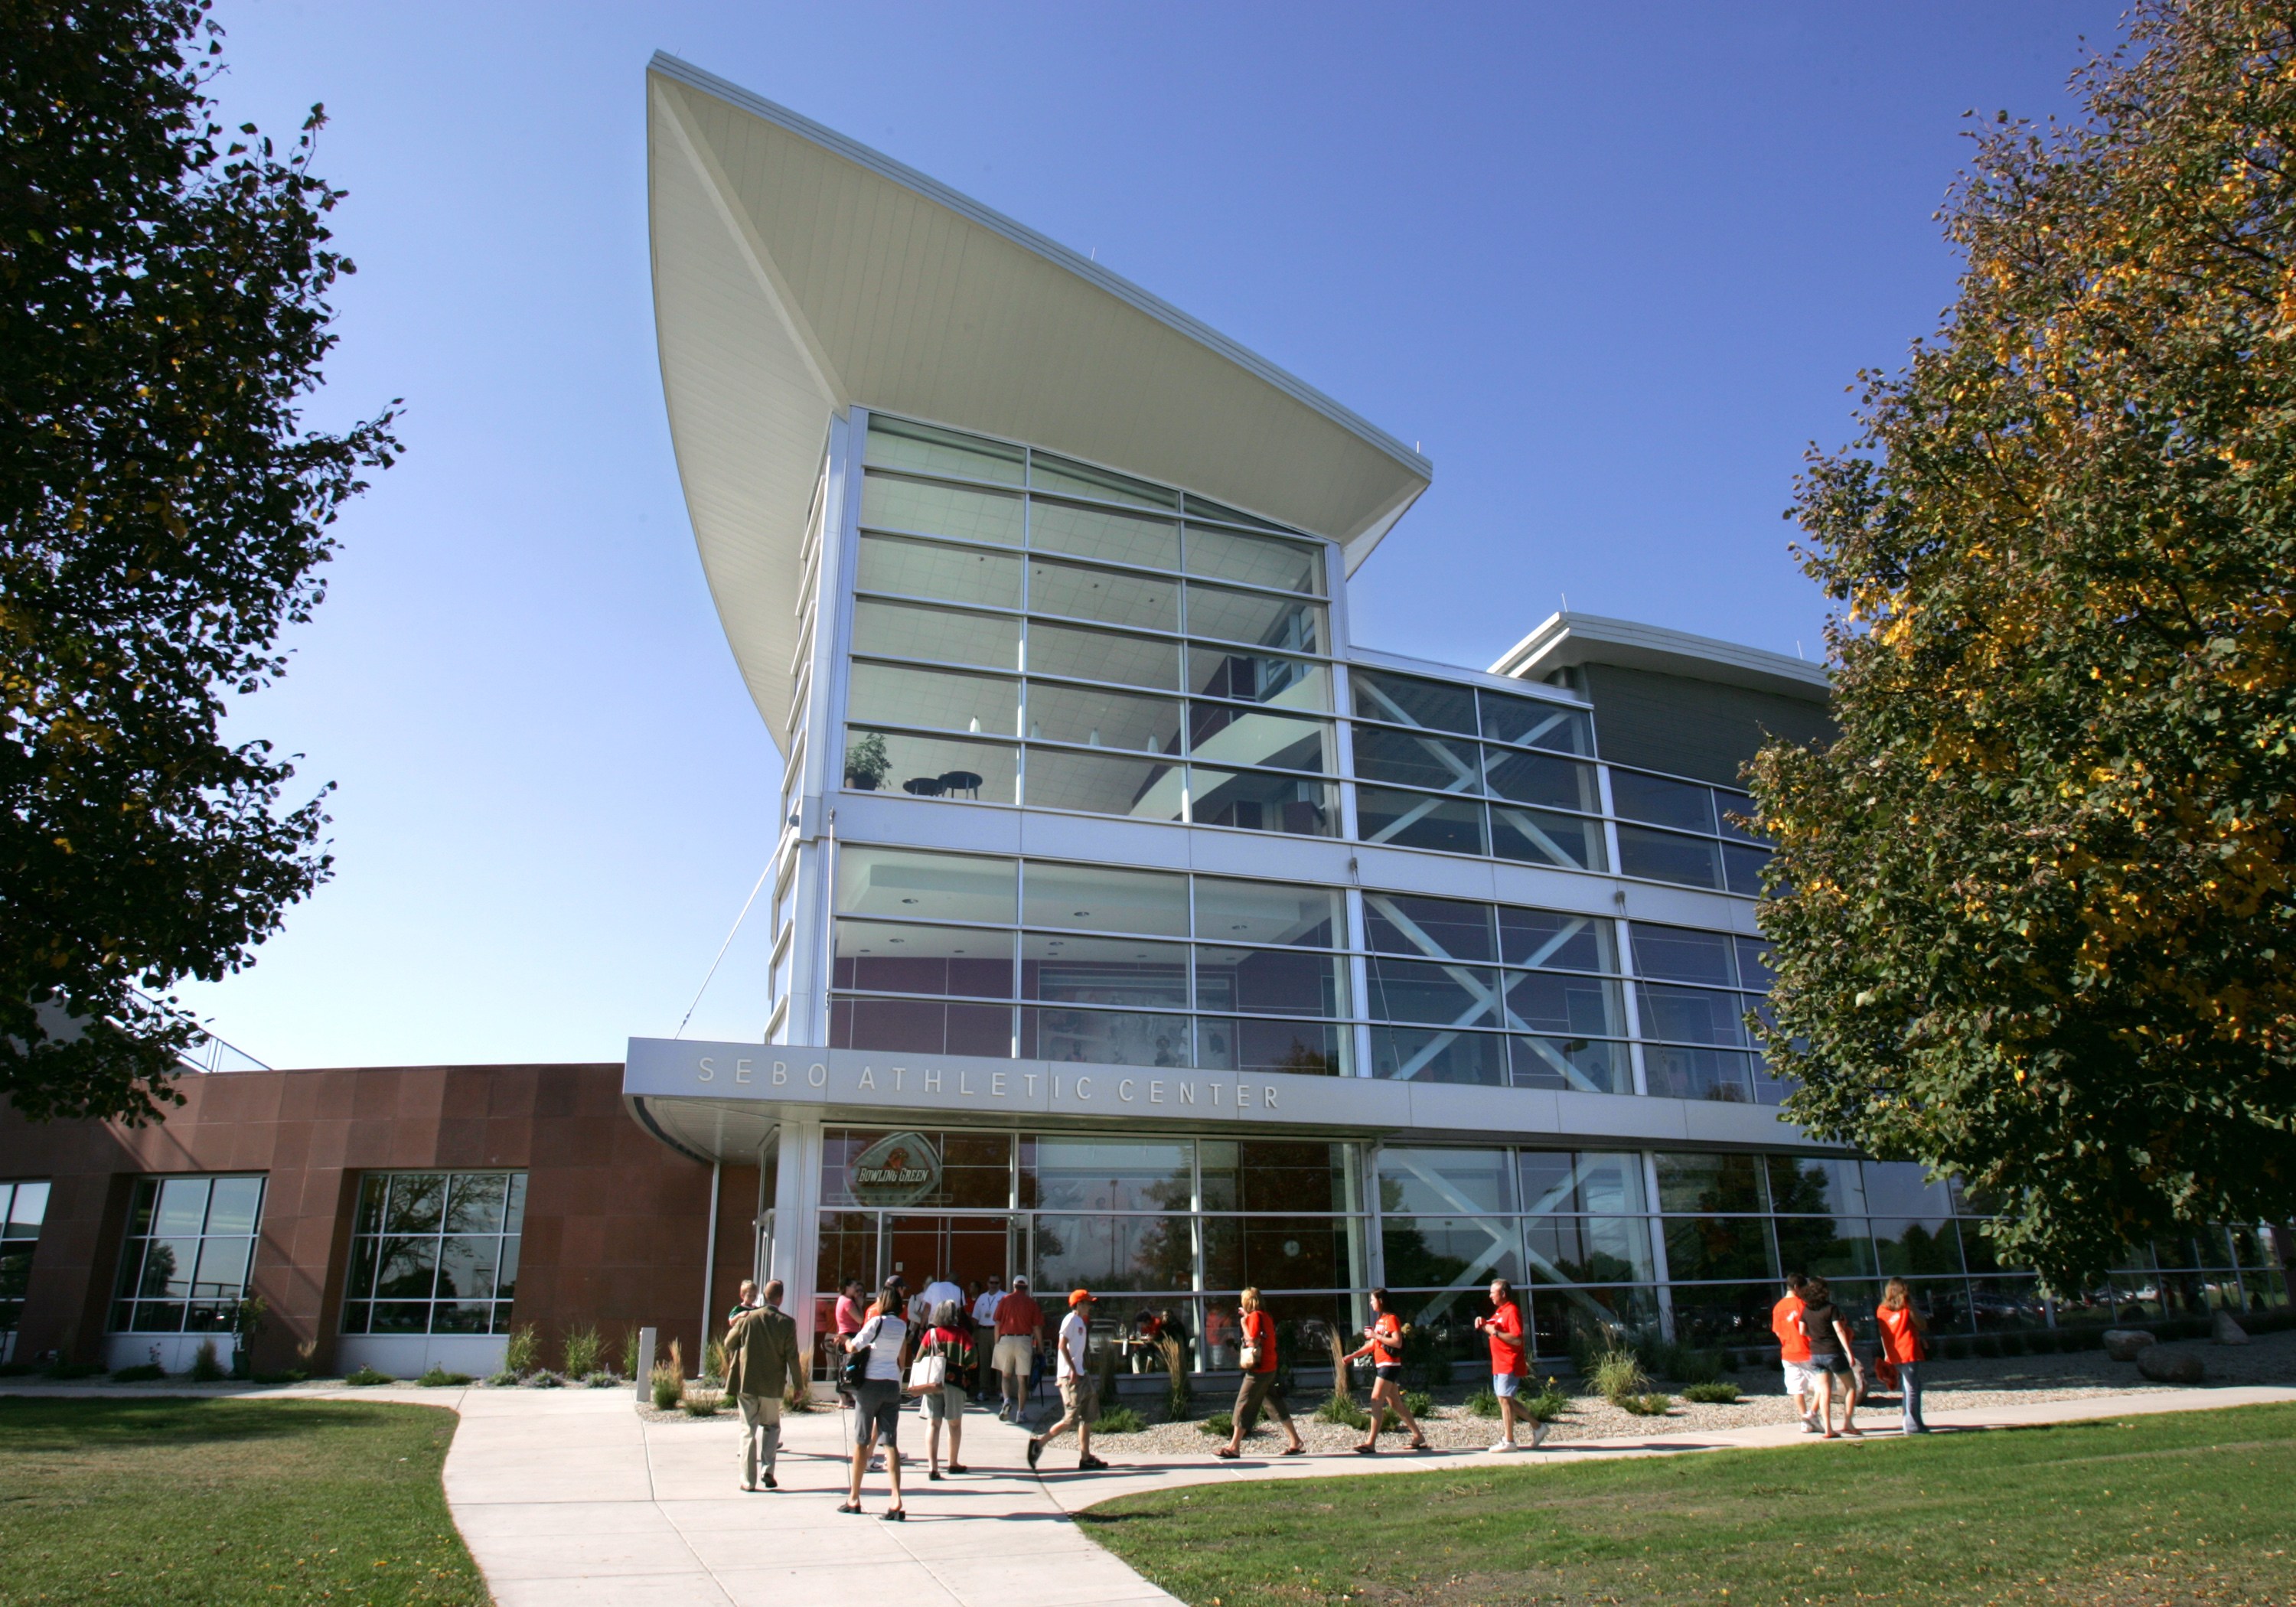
(366, 1376)
(702, 1400)
(503, 1380)
(1426, 1364)
(523, 1352)
(1684, 1363)
(580, 1350)
(1119, 1420)
(1219, 1425)
(1644, 1404)
(1422, 1404)
(599, 1379)
(1549, 1404)
(438, 1378)
(1342, 1408)
(1719, 1393)
(205, 1368)
(546, 1380)
(1483, 1403)
(141, 1373)
(630, 1356)
(797, 1399)
(713, 1361)
(1617, 1374)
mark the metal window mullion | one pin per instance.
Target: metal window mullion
(1661, 1273)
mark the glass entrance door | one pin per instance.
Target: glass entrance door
(962, 1249)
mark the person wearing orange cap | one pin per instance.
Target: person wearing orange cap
(1079, 1395)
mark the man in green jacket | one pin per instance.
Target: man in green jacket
(761, 1355)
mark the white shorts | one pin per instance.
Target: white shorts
(1801, 1378)
(1014, 1352)
(1503, 1384)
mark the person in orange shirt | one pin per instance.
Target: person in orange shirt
(1020, 1325)
(1904, 1346)
(1258, 1387)
(1510, 1360)
(1383, 1339)
(1794, 1350)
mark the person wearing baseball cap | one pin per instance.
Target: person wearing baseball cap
(1079, 1391)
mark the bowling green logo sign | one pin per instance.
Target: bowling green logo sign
(900, 1169)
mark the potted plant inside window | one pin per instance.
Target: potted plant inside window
(866, 763)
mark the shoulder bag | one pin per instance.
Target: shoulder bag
(930, 1371)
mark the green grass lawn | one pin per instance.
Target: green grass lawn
(2192, 1507)
(177, 1501)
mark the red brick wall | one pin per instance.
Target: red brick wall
(614, 1217)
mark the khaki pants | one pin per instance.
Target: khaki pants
(761, 1422)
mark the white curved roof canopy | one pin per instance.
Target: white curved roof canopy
(797, 274)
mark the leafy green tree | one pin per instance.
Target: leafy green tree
(2032, 912)
(163, 511)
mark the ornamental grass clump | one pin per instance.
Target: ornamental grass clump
(1342, 1408)
(579, 1350)
(1648, 1404)
(205, 1368)
(438, 1378)
(1722, 1393)
(523, 1352)
(1119, 1420)
(1618, 1373)
(1179, 1395)
(1549, 1404)
(668, 1381)
(367, 1376)
(1343, 1400)
(702, 1400)
(1219, 1425)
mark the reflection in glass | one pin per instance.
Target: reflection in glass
(1419, 820)
(1435, 1054)
(1407, 701)
(1105, 1038)
(1735, 1248)
(1417, 760)
(1663, 856)
(1120, 1254)
(1710, 1182)
(1228, 736)
(1590, 1065)
(1263, 1043)
(914, 883)
(1404, 923)
(944, 636)
(1100, 533)
(921, 1026)
(892, 502)
(475, 1203)
(1285, 566)
(1541, 778)
(1557, 939)
(1077, 653)
(1269, 982)
(1273, 1175)
(1656, 800)
(1693, 1015)
(897, 444)
(1676, 1072)
(1073, 969)
(1050, 473)
(1092, 898)
(1532, 723)
(881, 956)
(1256, 801)
(233, 1203)
(946, 699)
(1076, 591)
(934, 569)
(1450, 1253)
(1676, 954)
(1268, 911)
(1443, 994)
(1538, 838)
(182, 1205)
(936, 766)
(1256, 618)
(1101, 717)
(1086, 1174)
(1257, 677)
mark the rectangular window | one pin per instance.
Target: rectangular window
(1419, 820)
(435, 1252)
(1104, 534)
(190, 1245)
(937, 571)
(924, 449)
(23, 1206)
(893, 502)
(1262, 560)
(1261, 800)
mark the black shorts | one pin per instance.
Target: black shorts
(1388, 1372)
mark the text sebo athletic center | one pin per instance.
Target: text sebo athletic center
(1133, 927)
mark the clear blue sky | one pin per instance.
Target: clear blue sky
(1613, 266)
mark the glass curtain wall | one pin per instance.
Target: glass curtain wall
(1174, 1226)
(434, 1252)
(1685, 831)
(1467, 770)
(189, 1251)
(1693, 990)
(1028, 630)
(972, 955)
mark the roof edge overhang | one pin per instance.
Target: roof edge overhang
(1564, 640)
(798, 274)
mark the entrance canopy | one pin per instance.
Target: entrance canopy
(798, 274)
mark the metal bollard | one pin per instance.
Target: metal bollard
(646, 1337)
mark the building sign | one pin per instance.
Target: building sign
(900, 1169)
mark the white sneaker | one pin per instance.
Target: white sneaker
(1537, 1433)
(1505, 1444)
(1810, 1425)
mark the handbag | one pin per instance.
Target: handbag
(1249, 1358)
(929, 1372)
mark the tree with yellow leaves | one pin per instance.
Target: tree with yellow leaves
(2033, 913)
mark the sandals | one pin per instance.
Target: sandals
(849, 1506)
(1419, 1445)
(1228, 1452)
(1297, 1450)
(1366, 1450)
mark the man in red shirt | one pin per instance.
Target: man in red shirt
(1793, 1349)
(1019, 1323)
(1510, 1359)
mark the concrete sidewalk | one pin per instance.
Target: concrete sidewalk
(568, 1496)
